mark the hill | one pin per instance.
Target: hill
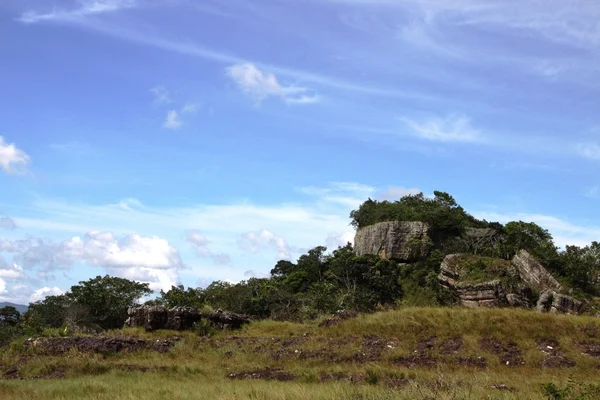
(20, 307)
(412, 353)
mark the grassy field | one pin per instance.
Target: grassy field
(414, 353)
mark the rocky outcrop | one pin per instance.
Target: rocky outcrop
(403, 241)
(226, 320)
(153, 318)
(158, 317)
(533, 273)
(556, 303)
(492, 293)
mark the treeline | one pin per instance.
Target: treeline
(322, 282)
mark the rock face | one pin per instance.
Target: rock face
(492, 293)
(404, 241)
(557, 303)
(533, 273)
(152, 318)
(157, 317)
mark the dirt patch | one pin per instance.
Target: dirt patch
(98, 344)
(265, 374)
(475, 362)
(416, 361)
(452, 346)
(510, 354)
(554, 354)
(591, 349)
(426, 345)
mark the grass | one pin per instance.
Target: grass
(362, 349)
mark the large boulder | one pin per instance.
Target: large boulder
(533, 273)
(404, 241)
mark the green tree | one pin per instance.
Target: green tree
(178, 296)
(531, 237)
(107, 299)
(50, 312)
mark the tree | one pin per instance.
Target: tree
(108, 298)
(531, 237)
(9, 316)
(178, 296)
(50, 312)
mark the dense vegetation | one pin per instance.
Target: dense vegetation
(322, 282)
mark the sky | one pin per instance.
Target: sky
(182, 142)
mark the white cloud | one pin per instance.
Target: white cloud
(260, 85)
(200, 245)
(12, 272)
(2, 286)
(336, 239)
(7, 223)
(104, 250)
(253, 242)
(396, 193)
(161, 95)
(589, 150)
(87, 8)
(190, 108)
(145, 258)
(453, 128)
(251, 273)
(173, 121)
(42, 293)
(12, 159)
(593, 193)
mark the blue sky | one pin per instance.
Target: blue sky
(180, 141)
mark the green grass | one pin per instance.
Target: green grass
(198, 367)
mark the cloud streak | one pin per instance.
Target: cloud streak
(87, 8)
(453, 128)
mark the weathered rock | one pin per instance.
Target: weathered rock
(556, 303)
(226, 320)
(404, 241)
(158, 317)
(533, 273)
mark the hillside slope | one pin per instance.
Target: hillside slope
(412, 353)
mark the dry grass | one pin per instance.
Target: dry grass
(365, 350)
